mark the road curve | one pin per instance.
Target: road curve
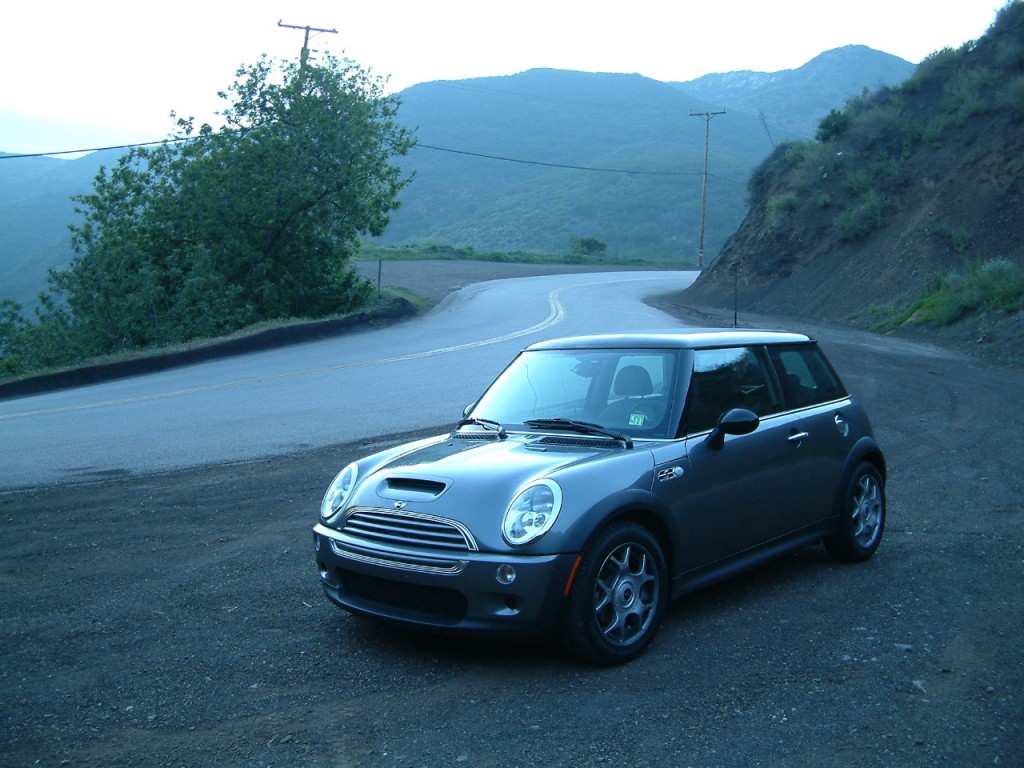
(413, 375)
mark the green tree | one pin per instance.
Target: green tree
(255, 221)
(587, 247)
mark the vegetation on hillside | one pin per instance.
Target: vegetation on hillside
(905, 207)
(581, 250)
(216, 230)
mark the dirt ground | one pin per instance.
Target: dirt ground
(177, 620)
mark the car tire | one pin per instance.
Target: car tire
(618, 597)
(861, 517)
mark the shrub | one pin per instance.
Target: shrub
(832, 126)
(936, 65)
(1015, 96)
(996, 285)
(781, 160)
(1000, 285)
(958, 237)
(779, 207)
(1010, 54)
(859, 183)
(860, 221)
(933, 132)
(963, 94)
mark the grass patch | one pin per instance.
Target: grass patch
(996, 286)
(444, 252)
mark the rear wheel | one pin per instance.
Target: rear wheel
(618, 597)
(861, 517)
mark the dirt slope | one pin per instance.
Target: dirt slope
(920, 182)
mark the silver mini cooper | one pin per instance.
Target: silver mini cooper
(598, 478)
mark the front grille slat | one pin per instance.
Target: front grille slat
(407, 529)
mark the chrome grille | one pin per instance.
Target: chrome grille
(385, 527)
(403, 562)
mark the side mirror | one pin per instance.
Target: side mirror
(467, 409)
(738, 421)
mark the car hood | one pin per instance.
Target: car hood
(474, 480)
(496, 467)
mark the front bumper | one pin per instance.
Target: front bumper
(446, 591)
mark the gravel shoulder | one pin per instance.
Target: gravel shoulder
(176, 619)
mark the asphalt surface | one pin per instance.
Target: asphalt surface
(176, 619)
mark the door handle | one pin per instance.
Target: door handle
(798, 437)
(842, 426)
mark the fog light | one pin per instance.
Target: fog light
(506, 574)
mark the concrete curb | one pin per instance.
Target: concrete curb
(398, 309)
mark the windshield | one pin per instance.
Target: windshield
(626, 390)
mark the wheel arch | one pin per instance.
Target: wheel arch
(643, 514)
(866, 450)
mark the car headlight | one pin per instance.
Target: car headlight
(532, 512)
(339, 491)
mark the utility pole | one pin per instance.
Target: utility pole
(304, 55)
(704, 194)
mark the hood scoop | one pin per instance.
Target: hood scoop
(411, 488)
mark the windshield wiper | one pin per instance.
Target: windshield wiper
(583, 427)
(485, 424)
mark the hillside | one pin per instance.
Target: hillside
(916, 192)
(603, 124)
(580, 134)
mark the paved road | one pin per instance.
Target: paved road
(315, 394)
(176, 619)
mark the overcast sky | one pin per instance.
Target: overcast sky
(117, 69)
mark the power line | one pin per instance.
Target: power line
(559, 165)
(591, 169)
(99, 149)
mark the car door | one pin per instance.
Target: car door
(814, 395)
(728, 499)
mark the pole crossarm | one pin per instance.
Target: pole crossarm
(305, 42)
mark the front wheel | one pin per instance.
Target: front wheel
(861, 517)
(618, 597)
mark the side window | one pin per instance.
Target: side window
(722, 379)
(805, 376)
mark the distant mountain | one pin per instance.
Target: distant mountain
(526, 162)
(35, 214)
(792, 102)
(529, 161)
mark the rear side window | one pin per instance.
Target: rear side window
(806, 376)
